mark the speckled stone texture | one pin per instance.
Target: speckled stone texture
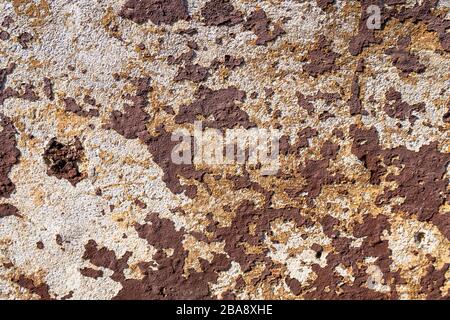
(92, 207)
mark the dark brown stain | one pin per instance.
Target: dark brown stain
(156, 11)
(420, 12)
(7, 21)
(9, 154)
(6, 93)
(306, 102)
(103, 257)
(433, 280)
(192, 72)
(355, 102)
(327, 284)
(316, 173)
(62, 160)
(40, 245)
(132, 122)
(161, 147)
(4, 35)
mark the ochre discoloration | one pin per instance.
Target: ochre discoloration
(91, 205)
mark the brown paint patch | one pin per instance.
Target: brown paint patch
(420, 182)
(91, 273)
(260, 24)
(220, 12)
(40, 289)
(219, 104)
(321, 59)
(396, 108)
(403, 60)
(7, 210)
(9, 154)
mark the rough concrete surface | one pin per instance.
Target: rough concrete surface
(91, 207)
